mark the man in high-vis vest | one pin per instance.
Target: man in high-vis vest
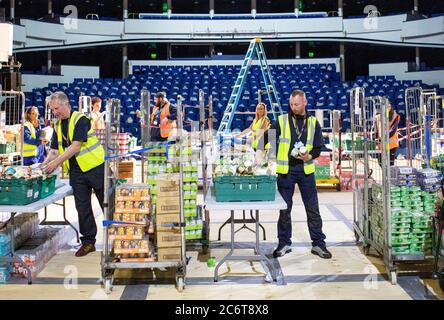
(75, 146)
(299, 142)
(162, 120)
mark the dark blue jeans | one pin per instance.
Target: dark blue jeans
(307, 186)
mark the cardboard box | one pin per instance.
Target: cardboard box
(126, 170)
(167, 205)
(165, 222)
(169, 254)
(168, 185)
(169, 239)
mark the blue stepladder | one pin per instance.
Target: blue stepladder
(255, 49)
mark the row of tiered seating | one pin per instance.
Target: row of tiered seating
(321, 82)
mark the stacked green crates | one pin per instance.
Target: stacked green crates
(411, 220)
(158, 164)
(322, 172)
(193, 222)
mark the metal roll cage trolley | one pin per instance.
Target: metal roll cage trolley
(108, 262)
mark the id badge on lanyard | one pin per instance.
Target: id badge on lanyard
(155, 123)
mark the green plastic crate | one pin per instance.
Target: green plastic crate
(9, 147)
(48, 186)
(20, 191)
(245, 188)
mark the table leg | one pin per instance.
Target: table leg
(216, 275)
(244, 226)
(69, 223)
(223, 225)
(65, 221)
(257, 250)
(260, 225)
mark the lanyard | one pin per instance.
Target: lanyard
(299, 134)
(61, 131)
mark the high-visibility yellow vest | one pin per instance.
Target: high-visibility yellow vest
(30, 150)
(256, 127)
(285, 141)
(91, 152)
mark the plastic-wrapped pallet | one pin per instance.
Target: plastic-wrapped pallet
(403, 176)
(38, 250)
(429, 179)
(25, 226)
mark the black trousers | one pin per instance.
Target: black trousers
(83, 183)
(307, 185)
(392, 157)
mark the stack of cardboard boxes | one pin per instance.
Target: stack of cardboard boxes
(168, 224)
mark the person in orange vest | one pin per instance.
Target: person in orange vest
(393, 122)
(394, 119)
(163, 118)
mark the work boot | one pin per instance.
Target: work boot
(281, 251)
(85, 249)
(322, 252)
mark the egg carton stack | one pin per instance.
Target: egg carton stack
(403, 176)
(429, 179)
(131, 237)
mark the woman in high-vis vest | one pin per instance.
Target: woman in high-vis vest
(33, 146)
(75, 145)
(258, 126)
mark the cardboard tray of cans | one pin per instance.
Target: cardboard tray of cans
(133, 192)
(131, 246)
(133, 207)
(118, 232)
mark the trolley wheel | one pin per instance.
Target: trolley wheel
(108, 285)
(338, 187)
(357, 236)
(393, 277)
(441, 279)
(366, 249)
(180, 284)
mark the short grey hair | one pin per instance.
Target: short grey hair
(60, 97)
(301, 93)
